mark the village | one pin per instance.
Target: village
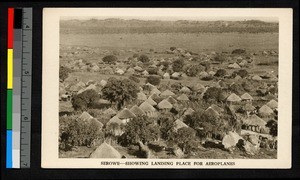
(168, 103)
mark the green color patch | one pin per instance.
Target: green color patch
(9, 109)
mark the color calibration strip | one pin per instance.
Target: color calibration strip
(18, 109)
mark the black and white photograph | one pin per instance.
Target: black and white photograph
(168, 87)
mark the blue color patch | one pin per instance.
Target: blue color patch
(9, 149)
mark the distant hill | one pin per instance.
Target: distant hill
(113, 26)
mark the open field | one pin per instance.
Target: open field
(194, 42)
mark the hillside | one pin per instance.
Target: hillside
(116, 26)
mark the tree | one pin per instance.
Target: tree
(214, 94)
(110, 59)
(143, 58)
(273, 125)
(75, 132)
(120, 91)
(206, 124)
(178, 65)
(167, 126)
(139, 130)
(220, 73)
(185, 139)
(154, 80)
(64, 72)
(85, 99)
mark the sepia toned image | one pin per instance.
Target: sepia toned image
(186, 90)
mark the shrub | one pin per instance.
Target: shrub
(238, 51)
(154, 80)
(134, 79)
(243, 73)
(213, 94)
(85, 99)
(110, 59)
(75, 132)
(152, 70)
(178, 65)
(143, 58)
(64, 72)
(207, 78)
(172, 48)
(135, 55)
(192, 70)
(220, 58)
(220, 73)
(273, 125)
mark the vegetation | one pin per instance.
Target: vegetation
(76, 132)
(120, 91)
(64, 72)
(85, 99)
(154, 80)
(110, 59)
(143, 58)
(178, 65)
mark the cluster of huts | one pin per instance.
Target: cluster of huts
(152, 101)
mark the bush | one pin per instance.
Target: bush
(135, 55)
(178, 65)
(172, 48)
(134, 79)
(154, 80)
(220, 73)
(75, 132)
(110, 59)
(220, 58)
(207, 78)
(152, 70)
(192, 70)
(238, 51)
(143, 58)
(214, 94)
(243, 73)
(85, 99)
(64, 72)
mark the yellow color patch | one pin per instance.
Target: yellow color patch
(9, 69)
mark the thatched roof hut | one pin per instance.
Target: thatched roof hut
(233, 98)
(164, 104)
(188, 111)
(254, 120)
(151, 101)
(171, 100)
(141, 96)
(185, 89)
(265, 111)
(109, 111)
(125, 114)
(183, 97)
(272, 104)
(146, 107)
(105, 151)
(167, 93)
(137, 111)
(85, 116)
(179, 124)
(246, 97)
